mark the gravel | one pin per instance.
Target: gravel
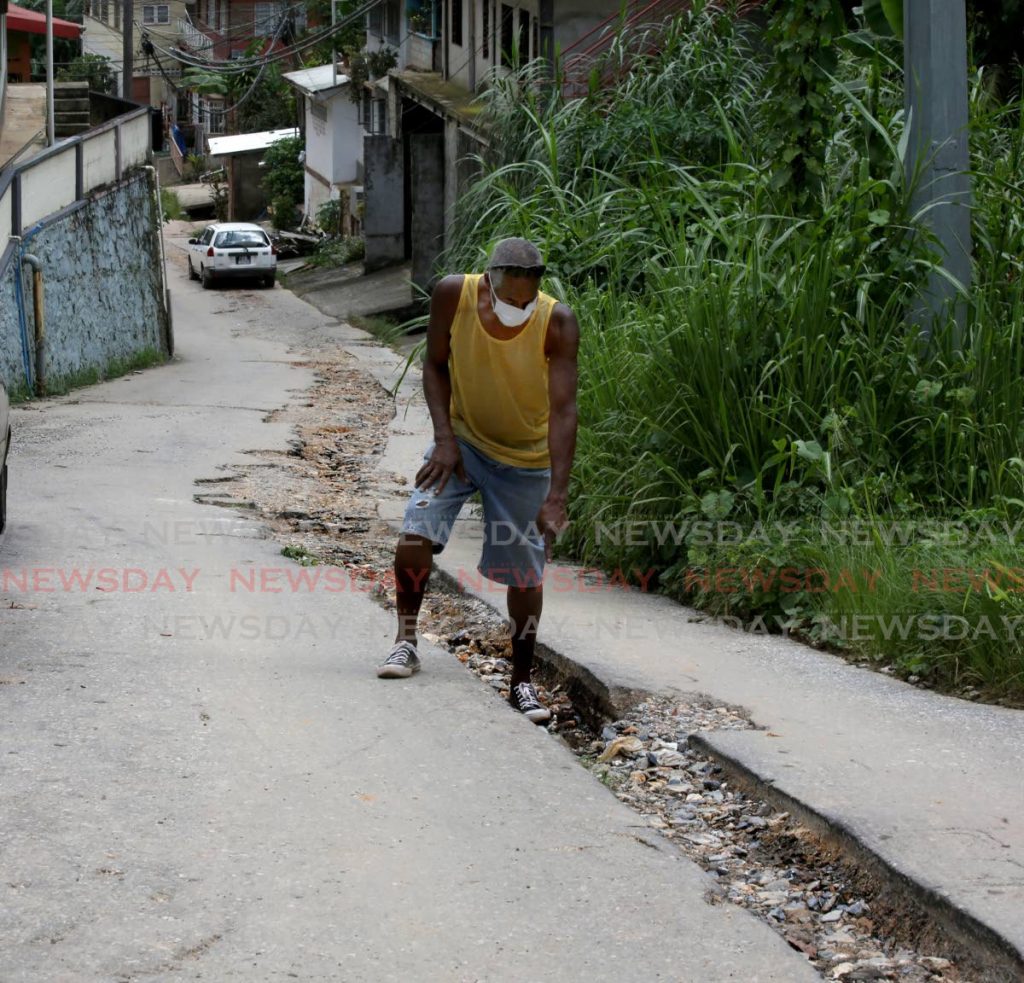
(318, 501)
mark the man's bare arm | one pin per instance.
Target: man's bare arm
(563, 349)
(437, 386)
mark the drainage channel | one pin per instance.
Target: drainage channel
(842, 912)
(851, 923)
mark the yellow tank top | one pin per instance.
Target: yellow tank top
(500, 386)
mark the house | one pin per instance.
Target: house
(422, 120)
(334, 140)
(223, 30)
(241, 156)
(20, 25)
(23, 106)
(153, 74)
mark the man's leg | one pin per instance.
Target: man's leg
(425, 529)
(413, 560)
(524, 609)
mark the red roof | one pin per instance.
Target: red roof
(32, 22)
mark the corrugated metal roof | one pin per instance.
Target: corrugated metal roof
(318, 79)
(242, 142)
(33, 22)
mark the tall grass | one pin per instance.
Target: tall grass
(743, 363)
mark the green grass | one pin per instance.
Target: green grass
(89, 376)
(385, 330)
(170, 205)
(744, 363)
(300, 555)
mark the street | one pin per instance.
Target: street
(202, 777)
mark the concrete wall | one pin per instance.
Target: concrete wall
(102, 292)
(427, 152)
(384, 218)
(573, 18)
(334, 138)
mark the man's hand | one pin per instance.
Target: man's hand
(445, 459)
(552, 520)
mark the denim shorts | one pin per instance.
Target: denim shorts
(513, 551)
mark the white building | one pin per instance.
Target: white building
(334, 138)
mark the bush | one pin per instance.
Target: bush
(282, 210)
(170, 205)
(338, 251)
(284, 176)
(745, 363)
(97, 70)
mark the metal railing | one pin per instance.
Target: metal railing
(587, 53)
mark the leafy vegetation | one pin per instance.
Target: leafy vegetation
(746, 362)
(97, 70)
(170, 205)
(284, 179)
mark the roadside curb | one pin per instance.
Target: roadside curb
(970, 940)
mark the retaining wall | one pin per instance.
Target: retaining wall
(87, 210)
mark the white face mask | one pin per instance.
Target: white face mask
(510, 315)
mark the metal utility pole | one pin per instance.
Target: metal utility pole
(935, 58)
(334, 41)
(50, 127)
(127, 48)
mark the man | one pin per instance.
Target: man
(500, 382)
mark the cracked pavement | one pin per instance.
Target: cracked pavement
(212, 784)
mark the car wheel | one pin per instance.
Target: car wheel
(3, 497)
(268, 281)
(192, 275)
(207, 277)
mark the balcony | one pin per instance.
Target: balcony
(195, 38)
(423, 53)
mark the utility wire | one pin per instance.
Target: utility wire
(239, 31)
(238, 65)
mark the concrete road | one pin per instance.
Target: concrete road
(201, 781)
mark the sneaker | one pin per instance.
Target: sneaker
(402, 662)
(523, 698)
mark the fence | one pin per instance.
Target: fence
(86, 210)
(65, 173)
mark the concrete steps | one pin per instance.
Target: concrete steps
(70, 108)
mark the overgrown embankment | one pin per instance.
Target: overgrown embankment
(758, 423)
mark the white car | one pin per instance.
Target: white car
(231, 251)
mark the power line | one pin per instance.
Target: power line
(239, 65)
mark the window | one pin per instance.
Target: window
(266, 17)
(242, 238)
(536, 38)
(422, 17)
(486, 46)
(379, 116)
(117, 16)
(104, 11)
(524, 36)
(508, 27)
(156, 13)
(456, 25)
(375, 20)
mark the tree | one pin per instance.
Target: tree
(284, 177)
(94, 69)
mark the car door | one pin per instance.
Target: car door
(199, 248)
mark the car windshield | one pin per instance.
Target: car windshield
(243, 237)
